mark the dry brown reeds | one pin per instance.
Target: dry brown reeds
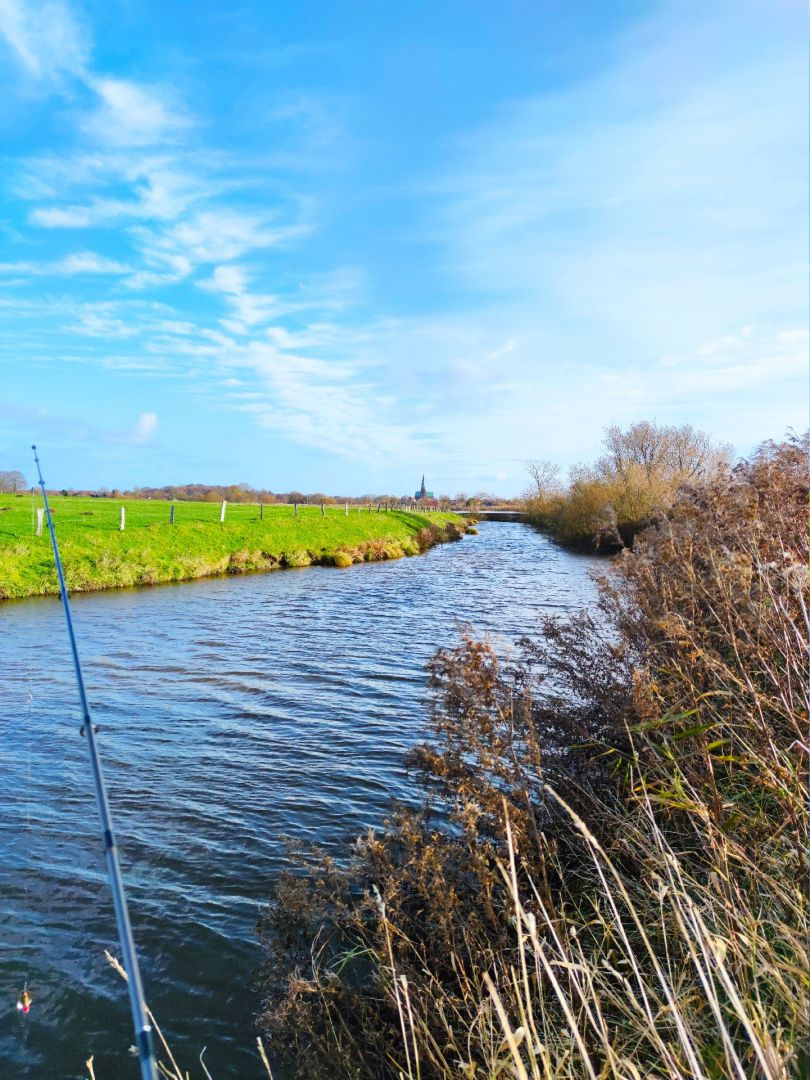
(608, 878)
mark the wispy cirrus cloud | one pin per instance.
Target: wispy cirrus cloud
(211, 235)
(336, 406)
(127, 114)
(135, 166)
(80, 262)
(46, 38)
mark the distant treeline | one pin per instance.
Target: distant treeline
(246, 493)
(233, 493)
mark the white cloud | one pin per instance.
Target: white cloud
(215, 235)
(81, 262)
(160, 187)
(86, 262)
(146, 428)
(128, 169)
(45, 38)
(98, 321)
(328, 405)
(129, 114)
(229, 280)
(249, 309)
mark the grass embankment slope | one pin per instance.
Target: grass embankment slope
(97, 555)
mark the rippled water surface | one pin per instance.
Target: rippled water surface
(231, 712)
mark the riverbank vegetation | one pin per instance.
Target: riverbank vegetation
(608, 875)
(152, 549)
(633, 483)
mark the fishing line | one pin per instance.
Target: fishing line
(140, 1019)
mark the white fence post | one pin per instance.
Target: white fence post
(123, 519)
(40, 519)
(222, 511)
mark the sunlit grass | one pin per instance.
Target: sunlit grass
(98, 555)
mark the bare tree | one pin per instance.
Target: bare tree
(692, 453)
(545, 477)
(661, 452)
(12, 481)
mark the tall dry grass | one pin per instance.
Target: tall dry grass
(609, 875)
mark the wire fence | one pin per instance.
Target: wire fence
(114, 515)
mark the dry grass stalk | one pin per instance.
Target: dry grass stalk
(609, 875)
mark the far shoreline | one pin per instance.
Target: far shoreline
(99, 557)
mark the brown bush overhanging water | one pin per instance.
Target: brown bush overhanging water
(608, 876)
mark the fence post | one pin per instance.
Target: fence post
(323, 510)
(222, 511)
(40, 519)
(295, 509)
(261, 511)
(123, 519)
(171, 514)
(347, 509)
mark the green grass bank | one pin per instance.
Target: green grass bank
(98, 555)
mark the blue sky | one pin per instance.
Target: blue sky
(332, 245)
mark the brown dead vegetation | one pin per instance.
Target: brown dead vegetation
(608, 875)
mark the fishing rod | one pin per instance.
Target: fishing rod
(140, 1019)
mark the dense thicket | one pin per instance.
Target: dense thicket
(608, 876)
(634, 483)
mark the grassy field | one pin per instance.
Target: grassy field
(97, 555)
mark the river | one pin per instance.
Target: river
(232, 712)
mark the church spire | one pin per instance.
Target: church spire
(423, 492)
